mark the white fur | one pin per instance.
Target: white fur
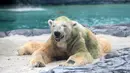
(62, 45)
(80, 27)
(58, 26)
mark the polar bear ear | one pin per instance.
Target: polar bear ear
(74, 23)
(50, 22)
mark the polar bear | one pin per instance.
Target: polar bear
(71, 41)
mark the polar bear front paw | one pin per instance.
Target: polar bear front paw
(68, 63)
(21, 52)
(36, 63)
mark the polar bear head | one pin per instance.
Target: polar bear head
(61, 28)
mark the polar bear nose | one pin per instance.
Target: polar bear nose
(57, 34)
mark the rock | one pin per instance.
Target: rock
(37, 32)
(128, 32)
(118, 62)
(119, 33)
(121, 30)
(2, 34)
(112, 55)
(115, 30)
(128, 25)
(101, 31)
(26, 32)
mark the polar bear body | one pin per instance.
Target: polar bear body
(75, 43)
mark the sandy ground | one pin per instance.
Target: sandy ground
(11, 63)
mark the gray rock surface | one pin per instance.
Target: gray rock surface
(40, 31)
(114, 62)
(2, 34)
(122, 30)
(26, 32)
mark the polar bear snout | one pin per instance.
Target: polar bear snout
(57, 34)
